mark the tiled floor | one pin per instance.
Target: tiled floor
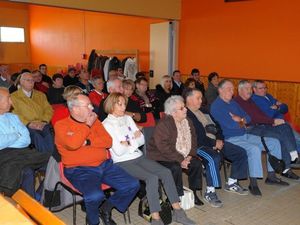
(277, 206)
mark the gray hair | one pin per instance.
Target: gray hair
(170, 104)
(223, 82)
(255, 83)
(23, 74)
(242, 83)
(73, 101)
(111, 84)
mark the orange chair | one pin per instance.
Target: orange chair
(68, 186)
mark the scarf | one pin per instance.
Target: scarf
(184, 139)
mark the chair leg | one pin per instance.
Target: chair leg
(74, 209)
(225, 171)
(128, 214)
(125, 220)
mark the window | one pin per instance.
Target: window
(12, 34)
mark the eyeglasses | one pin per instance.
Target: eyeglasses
(29, 80)
(89, 106)
(262, 88)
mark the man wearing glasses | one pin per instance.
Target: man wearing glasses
(35, 112)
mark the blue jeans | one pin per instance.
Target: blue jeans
(284, 133)
(88, 181)
(253, 146)
(43, 140)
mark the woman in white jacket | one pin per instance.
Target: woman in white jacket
(127, 138)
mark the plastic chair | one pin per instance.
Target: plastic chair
(67, 185)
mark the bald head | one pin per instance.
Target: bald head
(5, 100)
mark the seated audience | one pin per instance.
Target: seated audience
(163, 92)
(177, 85)
(17, 161)
(133, 109)
(139, 74)
(120, 73)
(127, 139)
(84, 156)
(54, 94)
(97, 94)
(39, 84)
(146, 99)
(174, 144)
(15, 79)
(211, 145)
(272, 107)
(4, 76)
(44, 69)
(71, 78)
(190, 83)
(265, 126)
(61, 111)
(212, 90)
(35, 112)
(84, 82)
(112, 75)
(195, 73)
(232, 119)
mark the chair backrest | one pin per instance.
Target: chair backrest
(64, 180)
(150, 122)
(35, 210)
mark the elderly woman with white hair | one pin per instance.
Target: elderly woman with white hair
(174, 145)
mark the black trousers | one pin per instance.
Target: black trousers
(194, 173)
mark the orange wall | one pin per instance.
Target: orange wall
(255, 39)
(14, 15)
(59, 37)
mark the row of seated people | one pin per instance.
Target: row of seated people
(116, 86)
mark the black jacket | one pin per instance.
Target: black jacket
(202, 139)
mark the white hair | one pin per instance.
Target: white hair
(111, 84)
(170, 104)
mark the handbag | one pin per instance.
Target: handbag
(165, 213)
(187, 201)
(277, 164)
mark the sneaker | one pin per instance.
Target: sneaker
(212, 199)
(179, 216)
(291, 175)
(236, 188)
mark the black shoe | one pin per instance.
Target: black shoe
(197, 200)
(276, 181)
(296, 163)
(106, 218)
(254, 190)
(291, 175)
